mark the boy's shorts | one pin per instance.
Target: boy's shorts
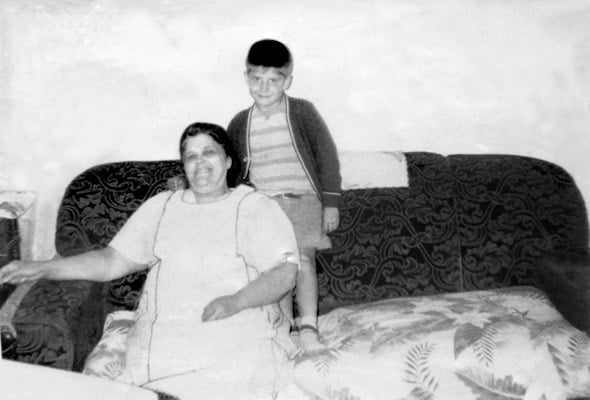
(306, 215)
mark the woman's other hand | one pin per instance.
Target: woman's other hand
(220, 308)
(176, 183)
(18, 272)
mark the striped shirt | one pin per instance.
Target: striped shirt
(275, 167)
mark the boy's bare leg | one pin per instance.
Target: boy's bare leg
(306, 296)
(286, 305)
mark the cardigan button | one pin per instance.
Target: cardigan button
(246, 159)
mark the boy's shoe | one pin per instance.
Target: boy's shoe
(309, 340)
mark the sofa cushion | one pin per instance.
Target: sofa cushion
(107, 359)
(504, 343)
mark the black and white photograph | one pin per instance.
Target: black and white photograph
(294, 200)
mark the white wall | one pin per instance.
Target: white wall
(85, 82)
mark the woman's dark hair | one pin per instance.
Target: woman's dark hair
(218, 134)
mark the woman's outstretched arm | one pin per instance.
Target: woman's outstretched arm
(98, 265)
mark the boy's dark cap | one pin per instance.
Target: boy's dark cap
(269, 53)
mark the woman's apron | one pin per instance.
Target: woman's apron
(170, 348)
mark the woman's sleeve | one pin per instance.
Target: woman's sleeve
(265, 234)
(135, 240)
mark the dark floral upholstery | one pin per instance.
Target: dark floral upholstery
(58, 323)
(510, 211)
(98, 203)
(465, 222)
(394, 241)
(9, 250)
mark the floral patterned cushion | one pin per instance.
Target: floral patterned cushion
(107, 359)
(494, 344)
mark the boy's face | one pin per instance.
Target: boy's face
(267, 86)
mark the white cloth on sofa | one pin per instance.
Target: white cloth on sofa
(373, 169)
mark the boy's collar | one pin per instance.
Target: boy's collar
(268, 113)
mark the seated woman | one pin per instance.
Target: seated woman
(220, 259)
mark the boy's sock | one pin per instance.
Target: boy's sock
(309, 337)
(309, 320)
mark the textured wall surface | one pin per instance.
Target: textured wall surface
(86, 82)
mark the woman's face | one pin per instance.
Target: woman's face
(205, 166)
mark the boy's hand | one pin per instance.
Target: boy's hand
(176, 183)
(18, 272)
(331, 219)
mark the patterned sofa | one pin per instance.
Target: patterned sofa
(491, 229)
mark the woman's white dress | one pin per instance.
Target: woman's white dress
(200, 252)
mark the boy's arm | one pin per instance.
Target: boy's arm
(236, 130)
(233, 130)
(326, 156)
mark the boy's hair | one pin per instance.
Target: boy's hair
(269, 53)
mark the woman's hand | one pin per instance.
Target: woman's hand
(268, 288)
(220, 308)
(18, 272)
(176, 183)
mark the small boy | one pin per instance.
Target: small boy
(287, 152)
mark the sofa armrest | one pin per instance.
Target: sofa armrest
(7, 311)
(565, 277)
(10, 306)
(48, 319)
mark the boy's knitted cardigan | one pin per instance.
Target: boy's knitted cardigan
(312, 141)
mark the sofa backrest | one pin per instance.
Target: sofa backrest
(464, 222)
(511, 211)
(394, 241)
